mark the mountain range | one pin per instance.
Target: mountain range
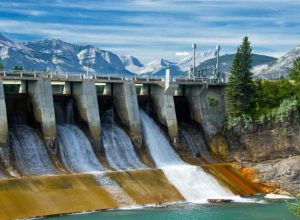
(60, 56)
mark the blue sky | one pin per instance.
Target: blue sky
(150, 29)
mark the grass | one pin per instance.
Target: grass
(295, 207)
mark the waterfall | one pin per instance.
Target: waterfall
(191, 181)
(76, 151)
(118, 147)
(194, 141)
(30, 154)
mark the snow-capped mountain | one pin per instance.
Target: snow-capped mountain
(60, 56)
(281, 67)
(188, 61)
(13, 54)
(158, 68)
(57, 55)
(132, 64)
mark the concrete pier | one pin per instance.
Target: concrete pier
(4, 147)
(40, 92)
(126, 104)
(87, 104)
(207, 107)
(163, 103)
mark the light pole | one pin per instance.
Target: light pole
(218, 48)
(87, 69)
(194, 58)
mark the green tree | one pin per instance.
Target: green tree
(18, 68)
(270, 94)
(295, 72)
(239, 92)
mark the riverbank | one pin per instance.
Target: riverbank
(269, 152)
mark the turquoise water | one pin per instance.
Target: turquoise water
(234, 211)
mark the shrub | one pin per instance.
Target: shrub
(295, 207)
(212, 102)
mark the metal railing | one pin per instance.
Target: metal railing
(106, 77)
(199, 80)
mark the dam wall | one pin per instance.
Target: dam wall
(205, 100)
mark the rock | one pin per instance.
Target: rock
(219, 200)
(283, 173)
(271, 149)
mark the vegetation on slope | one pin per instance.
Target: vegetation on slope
(259, 100)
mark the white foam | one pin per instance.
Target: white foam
(277, 196)
(195, 185)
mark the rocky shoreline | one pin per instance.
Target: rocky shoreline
(269, 153)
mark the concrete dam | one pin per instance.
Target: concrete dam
(72, 143)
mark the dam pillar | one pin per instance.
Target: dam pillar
(163, 103)
(87, 104)
(207, 107)
(4, 146)
(41, 95)
(126, 104)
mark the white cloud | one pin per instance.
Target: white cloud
(159, 28)
(182, 53)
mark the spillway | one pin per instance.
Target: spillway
(76, 151)
(191, 181)
(118, 147)
(194, 141)
(30, 154)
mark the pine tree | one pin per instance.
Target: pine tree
(18, 68)
(295, 72)
(239, 91)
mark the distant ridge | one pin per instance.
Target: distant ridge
(60, 56)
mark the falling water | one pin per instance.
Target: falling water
(1, 175)
(191, 181)
(78, 156)
(194, 141)
(118, 146)
(30, 154)
(76, 151)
